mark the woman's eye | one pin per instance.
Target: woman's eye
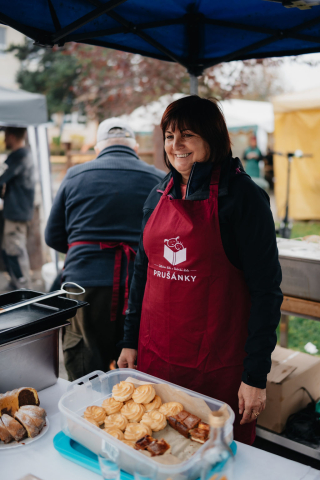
(187, 135)
(169, 137)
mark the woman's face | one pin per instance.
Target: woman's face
(184, 148)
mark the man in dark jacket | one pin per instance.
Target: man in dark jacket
(17, 185)
(97, 214)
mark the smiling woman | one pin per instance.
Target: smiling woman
(205, 298)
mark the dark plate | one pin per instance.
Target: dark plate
(36, 318)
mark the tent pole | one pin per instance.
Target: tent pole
(193, 85)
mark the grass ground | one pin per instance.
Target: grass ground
(302, 330)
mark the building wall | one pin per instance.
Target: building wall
(9, 64)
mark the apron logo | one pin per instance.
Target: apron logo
(174, 251)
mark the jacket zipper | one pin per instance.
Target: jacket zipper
(189, 181)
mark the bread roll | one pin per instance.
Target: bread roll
(98, 414)
(123, 391)
(144, 394)
(155, 420)
(171, 408)
(133, 411)
(116, 420)
(135, 431)
(111, 406)
(154, 405)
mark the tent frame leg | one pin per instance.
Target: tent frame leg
(194, 85)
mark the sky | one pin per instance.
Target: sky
(299, 76)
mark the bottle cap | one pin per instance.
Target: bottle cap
(217, 419)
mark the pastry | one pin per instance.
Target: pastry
(5, 435)
(133, 411)
(10, 402)
(129, 442)
(200, 434)
(36, 414)
(14, 427)
(135, 431)
(154, 405)
(143, 442)
(158, 447)
(95, 413)
(111, 406)
(96, 424)
(155, 420)
(115, 432)
(34, 410)
(155, 447)
(116, 420)
(144, 394)
(123, 391)
(29, 425)
(183, 422)
(171, 408)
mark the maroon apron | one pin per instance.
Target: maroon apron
(196, 306)
(130, 254)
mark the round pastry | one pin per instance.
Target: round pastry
(133, 411)
(111, 406)
(155, 420)
(98, 414)
(115, 432)
(171, 408)
(93, 422)
(135, 431)
(144, 394)
(123, 391)
(116, 420)
(154, 405)
(129, 442)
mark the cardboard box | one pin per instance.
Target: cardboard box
(290, 371)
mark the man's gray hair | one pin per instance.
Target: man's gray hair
(128, 142)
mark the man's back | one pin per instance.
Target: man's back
(100, 201)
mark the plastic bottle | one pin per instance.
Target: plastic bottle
(217, 457)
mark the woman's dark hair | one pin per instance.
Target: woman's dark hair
(205, 118)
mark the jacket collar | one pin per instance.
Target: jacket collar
(118, 149)
(199, 179)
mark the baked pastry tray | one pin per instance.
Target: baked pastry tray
(35, 318)
(92, 389)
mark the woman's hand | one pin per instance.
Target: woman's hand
(252, 401)
(127, 358)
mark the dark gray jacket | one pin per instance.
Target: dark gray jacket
(19, 179)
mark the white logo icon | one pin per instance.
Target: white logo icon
(174, 251)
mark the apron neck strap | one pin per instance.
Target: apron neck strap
(168, 188)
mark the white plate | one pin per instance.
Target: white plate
(25, 441)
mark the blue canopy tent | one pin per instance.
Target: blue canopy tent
(195, 33)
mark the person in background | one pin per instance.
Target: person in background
(17, 185)
(96, 217)
(252, 156)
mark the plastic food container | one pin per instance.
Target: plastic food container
(92, 390)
